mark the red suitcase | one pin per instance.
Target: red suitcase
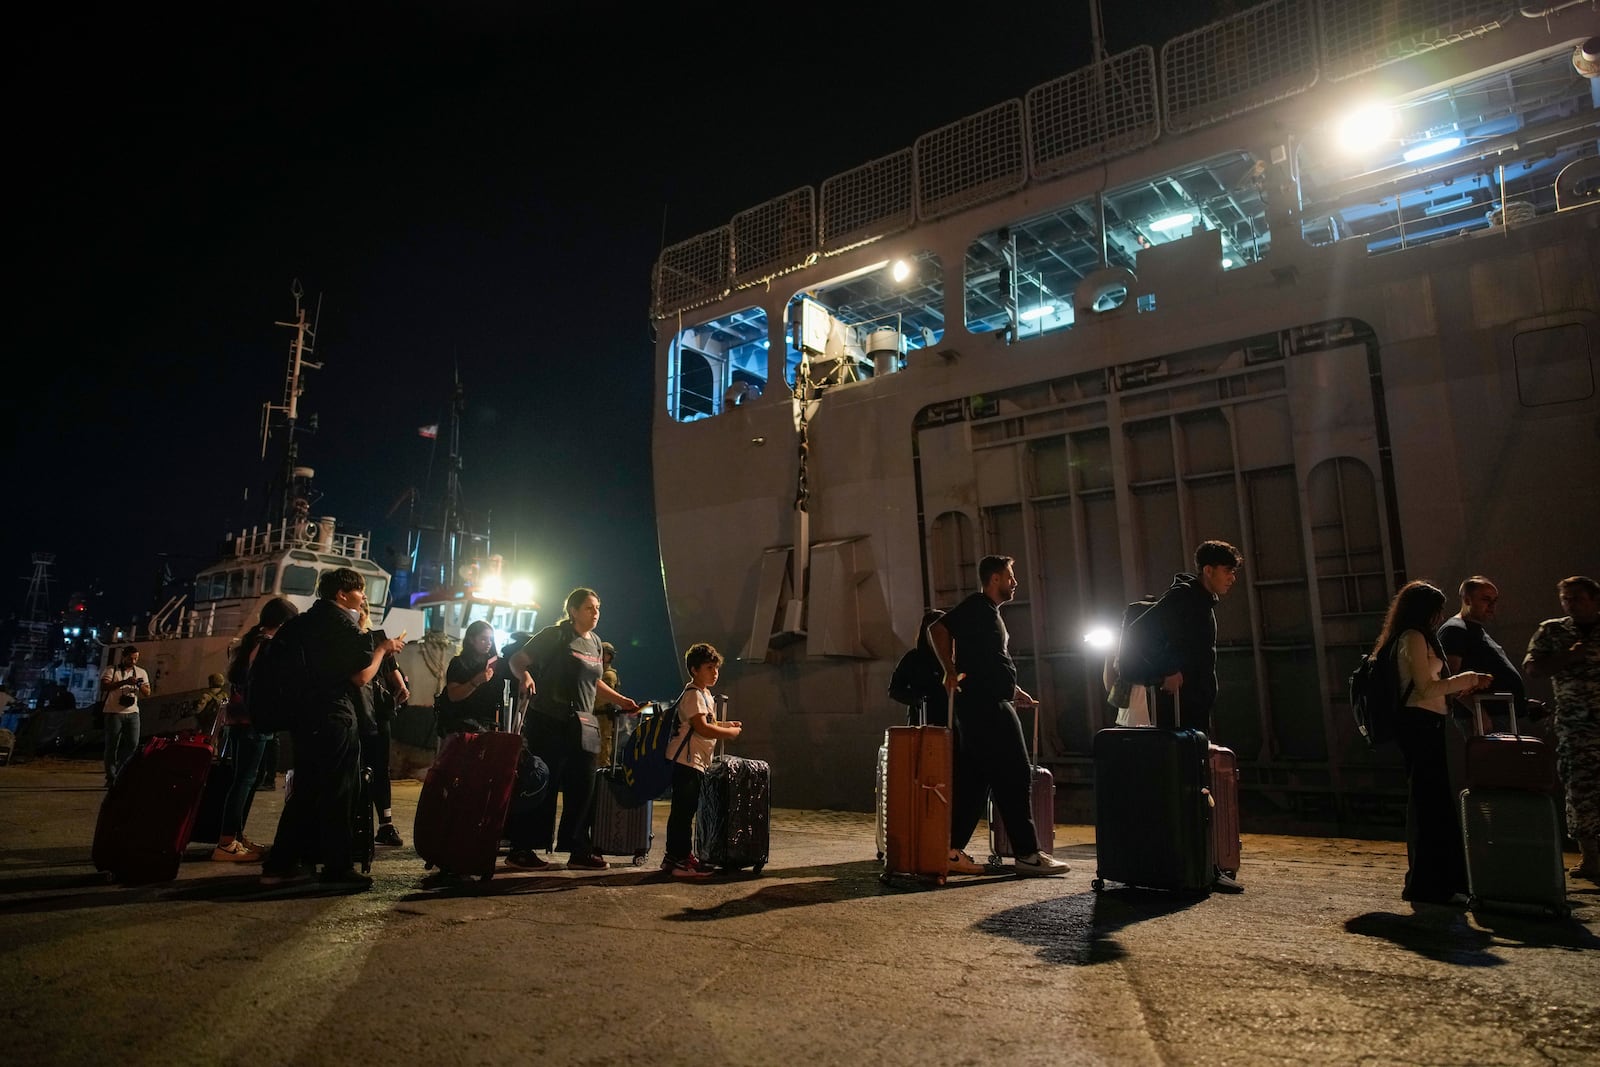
(1043, 788)
(461, 812)
(1508, 761)
(1225, 807)
(148, 813)
(919, 781)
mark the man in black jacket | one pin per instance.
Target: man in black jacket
(319, 817)
(1184, 625)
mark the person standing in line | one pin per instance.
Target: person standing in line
(382, 697)
(1436, 871)
(1468, 646)
(121, 687)
(243, 741)
(318, 820)
(973, 649)
(1186, 620)
(561, 729)
(693, 748)
(473, 687)
(1567, 651)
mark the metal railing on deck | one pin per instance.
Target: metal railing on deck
(313, 535)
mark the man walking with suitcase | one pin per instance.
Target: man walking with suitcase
(974, 651)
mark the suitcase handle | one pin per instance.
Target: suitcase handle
(1479, 721)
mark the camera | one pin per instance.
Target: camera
(126, 700)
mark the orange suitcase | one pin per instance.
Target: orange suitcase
(917, 801)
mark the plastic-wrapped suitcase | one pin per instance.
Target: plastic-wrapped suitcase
(920, 776)
(1043, 793)
(461, 811)
(1508, 761)
(1153, 809)
(148, 814)
(621, 826)
(881, 823)
(1513, 846)
(1225, 812)
(363, 836)
(733, 828)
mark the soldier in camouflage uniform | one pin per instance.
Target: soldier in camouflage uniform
(1567, 651)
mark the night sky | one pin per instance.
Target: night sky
(475, 185)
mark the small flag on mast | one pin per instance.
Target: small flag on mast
(430, 432)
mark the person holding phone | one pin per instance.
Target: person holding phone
(473, 685)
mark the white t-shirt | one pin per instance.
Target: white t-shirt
(118, 680)
(700, 751)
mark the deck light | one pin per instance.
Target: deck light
(1172, 222)
(1226, 262)
(1365, 128)
(1100, 638)
(902, 270)
(1429, 149)
(1037, 312)
(522, 590)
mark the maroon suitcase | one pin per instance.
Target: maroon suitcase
(462, 809)
(1043, 792)
(1508, 761)
(148, 813)
(1225, 807)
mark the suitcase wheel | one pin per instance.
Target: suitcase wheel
(757, 868)
(880, 857)
(488, 876)
(639, 857)
(994, 860)
(427, 866)
(1098, 884)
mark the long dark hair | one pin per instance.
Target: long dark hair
(469, 652)
(1413, 608)
(274, 613)
(929, 617)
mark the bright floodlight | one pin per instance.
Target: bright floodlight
(902, 270)
(1429, 149)
(1172, 222)
(1037, 312)
(490, 585)
(521, 590)
(1100, 638)
(1365, 128)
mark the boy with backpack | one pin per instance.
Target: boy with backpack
(694, 745)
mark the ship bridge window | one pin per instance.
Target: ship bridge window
(377, 589)
(299, 581)
(1027, 278)
(205, 586)
(269, 578)
(717, 365)
(866, 323)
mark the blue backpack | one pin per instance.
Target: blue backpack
(651, 750)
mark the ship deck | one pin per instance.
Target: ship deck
(814, 961)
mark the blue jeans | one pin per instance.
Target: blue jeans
(122, 738)
(245, 747)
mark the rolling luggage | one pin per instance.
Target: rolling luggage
(208, 820)
(881, 823)
(1043, 793)
(1225, 812)
(621, 826)
(1513, 845)
(733, 828)
(919, 782)
(363, 836)
(461, 812)
(148, 814)
(1153, 809)
(1508, 761)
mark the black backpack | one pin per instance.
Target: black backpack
(1375, 697)
(277, 688)
(1137, 648)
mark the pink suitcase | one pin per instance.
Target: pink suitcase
(1225, 807)
(1508, 761)
(148, 813)
(1043, 786)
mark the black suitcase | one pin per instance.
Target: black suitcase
(1513, 845)
(732, 829)
(1152, 808)
(363, 838)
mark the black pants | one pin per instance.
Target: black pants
(686, 783)
(560, 744)
(269, 761)
(994, 760)
(375, 756)
(319, 817)
(1437, 864)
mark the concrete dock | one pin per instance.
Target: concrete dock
(814, 961)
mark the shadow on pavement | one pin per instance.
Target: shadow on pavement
(1526, 931)
(1437, 932)
(1076, 930)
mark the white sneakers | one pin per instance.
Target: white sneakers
(961, 863)
(1039, 865)
(236, 851)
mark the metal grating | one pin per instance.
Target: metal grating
(1097, 113)
(970, 161)
(1238, 64)
(774, 238)
(872, 200)
(693, 272)
(1363, 35)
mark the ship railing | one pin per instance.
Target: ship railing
(312, 534)
(1117, 105)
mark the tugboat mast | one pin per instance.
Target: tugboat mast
(281, 503)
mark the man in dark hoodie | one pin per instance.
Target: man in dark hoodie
(1185, 653)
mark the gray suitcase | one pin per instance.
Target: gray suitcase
(621, 827)
(1513, 845)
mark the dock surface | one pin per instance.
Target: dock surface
(815, 961)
